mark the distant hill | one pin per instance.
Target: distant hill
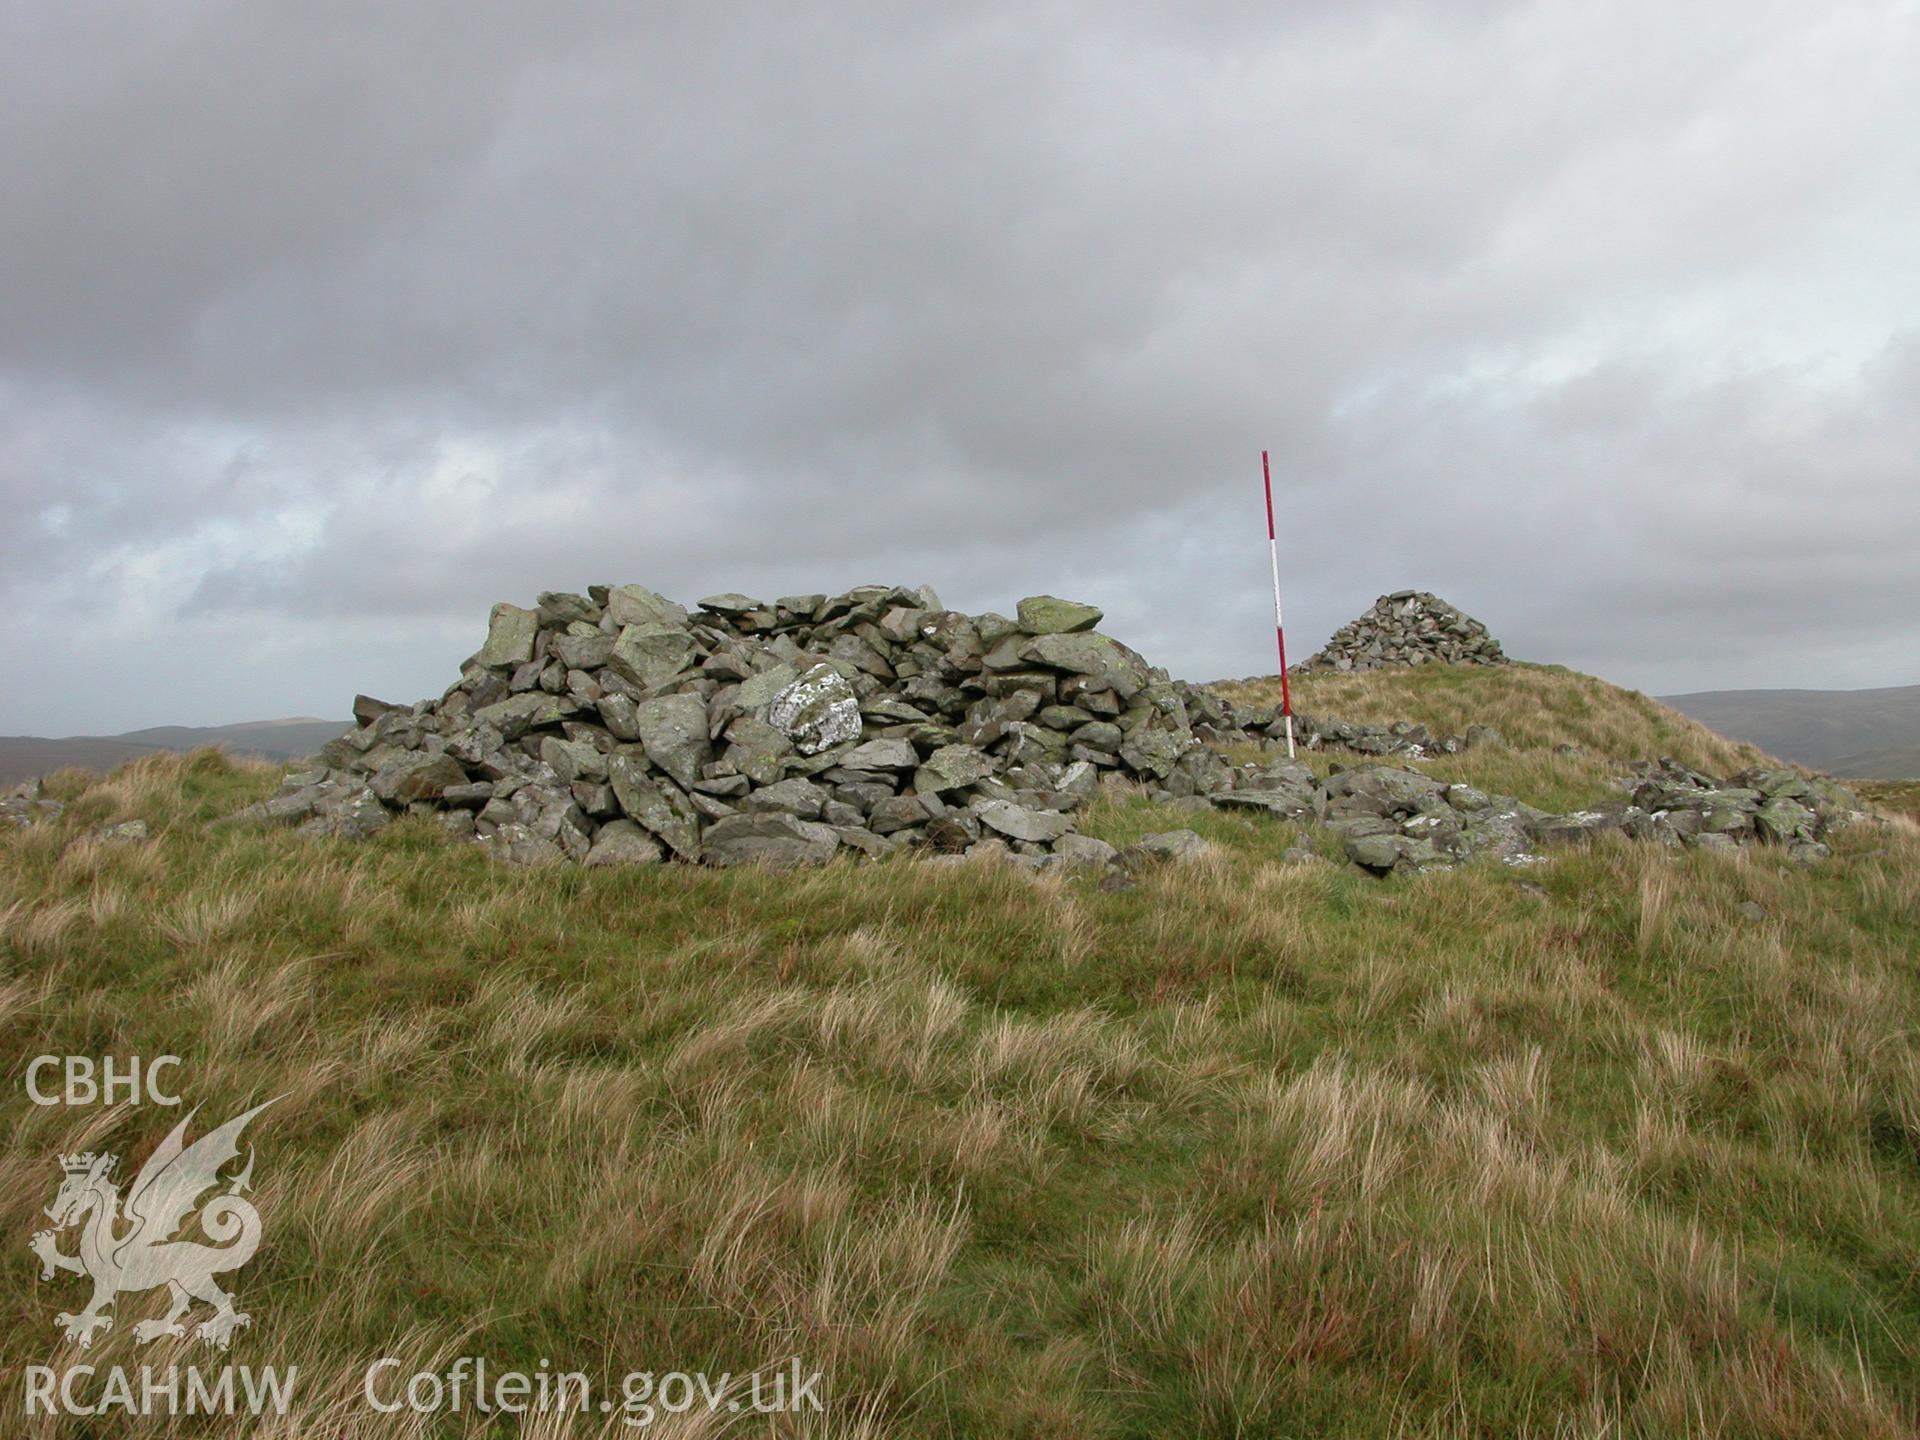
(1867, 733)
(24, 756)
(1898, 763)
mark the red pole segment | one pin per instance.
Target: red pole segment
(1266, 474)
(1279, 623)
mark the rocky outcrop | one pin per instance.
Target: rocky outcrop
(1408, 627)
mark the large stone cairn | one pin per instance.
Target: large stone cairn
(1408, 627)
(616, 727)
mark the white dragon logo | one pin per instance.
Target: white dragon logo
(147, 1255)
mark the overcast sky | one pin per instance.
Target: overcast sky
(324, 326)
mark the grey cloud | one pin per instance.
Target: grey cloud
(313, 317)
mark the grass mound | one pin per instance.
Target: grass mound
(1627, 1144)
(1535, 707)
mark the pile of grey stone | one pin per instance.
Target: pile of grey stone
(1408, 627)
(24, 804)
(1392, 819)
(617, 727)
(27, 804)
(1402, 738)
(1775, 806)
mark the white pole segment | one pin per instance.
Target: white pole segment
(1279, 621)
(1280, 627)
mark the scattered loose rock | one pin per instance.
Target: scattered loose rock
(27, 804)
(1172, 845)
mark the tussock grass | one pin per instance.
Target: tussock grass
(1251, 1148)
(1894, 797)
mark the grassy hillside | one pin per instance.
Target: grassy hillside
(1540, 710)
(1623, 1145)
(1535, 707)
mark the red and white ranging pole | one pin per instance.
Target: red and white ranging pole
(1279, 623)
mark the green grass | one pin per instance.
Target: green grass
(1249, 1149)
(1535, 707)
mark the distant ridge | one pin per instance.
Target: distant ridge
(1894, 764)
(1858, 733)
(24, 756)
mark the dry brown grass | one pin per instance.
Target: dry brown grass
(1535, 707)
(1248, 1149)
(1893, 797)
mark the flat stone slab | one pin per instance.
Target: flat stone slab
(1050, 615)
(1019, 823)
(775, 841)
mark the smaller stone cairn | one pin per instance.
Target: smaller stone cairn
(1408, 627)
